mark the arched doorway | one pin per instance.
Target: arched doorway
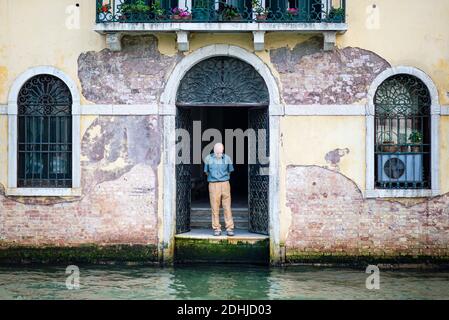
(169, 111)
(227, 98)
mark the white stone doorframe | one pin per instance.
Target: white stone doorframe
(168, 113)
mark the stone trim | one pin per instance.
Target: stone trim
(105, 28)
(445, 110)
(325, 110)
(371, 192)
(377, 193)
(44, 192)
(120, 109)
(12, 134)
(168, 110)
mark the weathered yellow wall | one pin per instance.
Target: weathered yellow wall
(404, 32)
(444, 154)
(305, 141)
(36, 33)
(3, 149)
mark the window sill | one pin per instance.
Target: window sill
(385, 193)
(44, 192)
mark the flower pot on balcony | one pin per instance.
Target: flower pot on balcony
(416, 149)
(404, 149)
(186, 17)
(261, 17)
(389, 146)
(176, 17)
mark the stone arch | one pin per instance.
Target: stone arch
(435, 111)
(167, 109)
(12, 128)
(168, 97)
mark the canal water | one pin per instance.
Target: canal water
(217, 282)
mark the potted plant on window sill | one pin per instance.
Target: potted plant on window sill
(260, 12)
(336, 14)
(137, 10)
(181, 14)
(387, 143)
(231, 13)
(105, 8)
(403, 146)
(292, 13)
(157, 12)
(416, 138)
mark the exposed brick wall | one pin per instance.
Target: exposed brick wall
(310, 75)
(119, 201)
(330, 216)
(135, 75)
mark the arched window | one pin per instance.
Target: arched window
(402, 125)
(44, 133)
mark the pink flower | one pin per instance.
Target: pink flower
(184, 14)
(292, 10)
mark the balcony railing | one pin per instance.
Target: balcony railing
(241, 11)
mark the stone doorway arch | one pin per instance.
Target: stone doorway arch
(168, 110)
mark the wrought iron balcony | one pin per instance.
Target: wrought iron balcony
(117, 17)
(224, 11)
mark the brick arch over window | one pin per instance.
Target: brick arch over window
(37, 93)
(402, 140)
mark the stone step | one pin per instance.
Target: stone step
(201, 218)
(241, 225)
(200, 245)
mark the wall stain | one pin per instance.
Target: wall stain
(310, 75)
(333, 158)
(135, 75)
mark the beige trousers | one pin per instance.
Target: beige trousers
(220, 194)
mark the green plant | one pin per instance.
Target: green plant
(135, 7)
(156, 8)
(337, 13)
(385, 137)
(258, 8)
(103, 8)
(416, 137)
(230, 12)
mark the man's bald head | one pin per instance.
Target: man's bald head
(219, 149)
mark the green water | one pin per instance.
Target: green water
(218, 282)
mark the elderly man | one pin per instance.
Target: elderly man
(218, 167)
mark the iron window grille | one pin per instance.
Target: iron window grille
(402, 134)
(44, 133)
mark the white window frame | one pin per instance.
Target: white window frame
(12, 188)
(435, 112)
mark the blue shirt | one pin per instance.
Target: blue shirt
(218, 169)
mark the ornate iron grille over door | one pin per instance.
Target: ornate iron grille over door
(183, 170)
(222, 81)
(258, 171)
(44, 133)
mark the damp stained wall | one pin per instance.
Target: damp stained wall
(394, 33)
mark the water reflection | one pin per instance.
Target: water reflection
(218, 282)
(222, 282)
